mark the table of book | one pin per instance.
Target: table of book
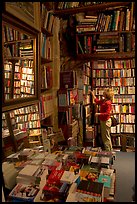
(69, 174)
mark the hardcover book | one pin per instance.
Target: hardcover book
(68, 79)
(91, 187)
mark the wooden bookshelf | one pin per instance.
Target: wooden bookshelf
(20, 56)
(23, 125)
(124, 101)
(69, 107)
(91, 8)
(89, 41)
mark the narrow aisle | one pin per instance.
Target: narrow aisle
(125, 176)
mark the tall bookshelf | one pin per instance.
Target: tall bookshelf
(109, 35)
(120, 76)
(69, 105)
(28, 69)
(109, 40)
(88, 129)
(47, 67)
(20, 60)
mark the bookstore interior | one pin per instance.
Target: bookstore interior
(54, 55)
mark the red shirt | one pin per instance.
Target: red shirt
(105, 109)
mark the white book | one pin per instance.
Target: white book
(95, 159)
(106, 171)
(29, 170)
(68, 177)
(105, 160)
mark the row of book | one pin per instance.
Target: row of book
(25, 110)
(28, 125)
(88, 44)
(127, 128)
(114, 64)
(10, 34)
(127, 118)
(16, 50)
(23, 79)
(45, 105)
(47, 18)
(113, 20)
(124, 82)
(27, 117)
(46, 47)
(124, 99)
(116, 90)
(67, 5)
(47, 78)
(124, 108)
(121, 128)
(103, 73)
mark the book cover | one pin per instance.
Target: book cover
(67, 79)
(105, 179)
(91, 187)
(63, 99)
(55, 176)
(29, 170)
(24, 192)
(82, 197)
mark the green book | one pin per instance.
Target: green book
(80, 47)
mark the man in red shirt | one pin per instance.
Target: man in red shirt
(104, 116)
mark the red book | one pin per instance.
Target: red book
(55, 176)
(89, 44)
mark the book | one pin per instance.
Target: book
(68, 79)
(68, 177)
(106, 180)
(63, 99)
(29, 170)
(24, 192)
(55, 176)
(81, 49)
(91, 188)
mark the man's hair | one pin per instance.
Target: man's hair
(109, 93)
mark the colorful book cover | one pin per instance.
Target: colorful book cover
(105, 179)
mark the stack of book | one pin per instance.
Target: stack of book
(107, 42)
(23, 193)
(75, 174)
(86, 23)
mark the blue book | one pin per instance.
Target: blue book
(105, 179)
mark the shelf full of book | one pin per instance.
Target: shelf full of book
(106, 33)
(88, 130)
(69, 105)
(20, 63)
(119, 74)
(21, 128)
(69, 8)
(46, 65)
(47, 20)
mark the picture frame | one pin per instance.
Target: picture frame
(28, 12)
